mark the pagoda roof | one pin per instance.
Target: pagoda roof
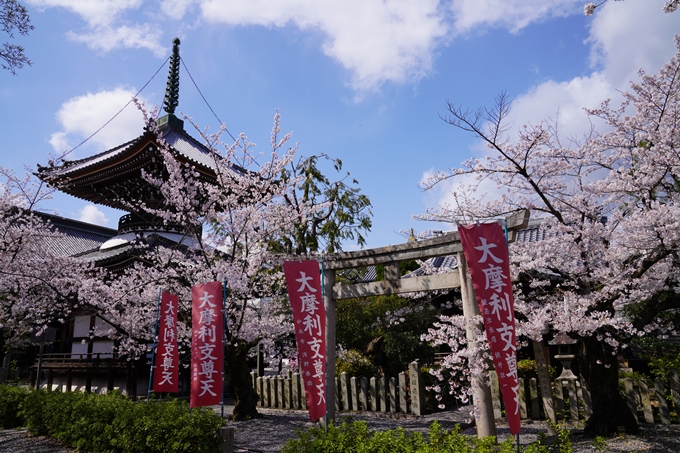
(114, 175)
(185, 146)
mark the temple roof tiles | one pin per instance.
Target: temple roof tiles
(77, 237)
(186, 146)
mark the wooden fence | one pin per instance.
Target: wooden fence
(406, 394)
(650, 403)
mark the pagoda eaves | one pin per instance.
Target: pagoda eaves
(113, 178)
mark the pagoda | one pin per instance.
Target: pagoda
(114, 178)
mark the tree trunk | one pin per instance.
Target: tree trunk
(239, 383)
(600, 370)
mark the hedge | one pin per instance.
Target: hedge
(355, 437)
(112, 422)
(11, 398)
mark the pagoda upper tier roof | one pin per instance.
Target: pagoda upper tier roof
(114, 176)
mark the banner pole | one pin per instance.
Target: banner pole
(224, 340)
(153, 347)
(323, 291)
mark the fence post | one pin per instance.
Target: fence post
(661, 399)
(533, 393)
(383, 394)
(363, 393)
(573, 400)
(403, 403)
(559, 399)
(674, 381)
(276, 393)
(587, 400)
(354, 393)
(630, 397)
(295, 379)
(495, 394)
(393, 395)
(346, 392)
(258, 390)
(338, 392)
(541, 356)
(373, 395)
(303, 394)
(646, 403)
(522, 399)
(417, 389)
(287, 392)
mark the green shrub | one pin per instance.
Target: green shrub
(11, 398)
(354, 437)
(113, 423)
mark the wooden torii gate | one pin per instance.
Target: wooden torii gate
(390, 257)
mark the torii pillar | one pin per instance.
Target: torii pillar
(390, 257)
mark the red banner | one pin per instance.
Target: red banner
(207, 348)
(309, 316)
(166, 366)
(486, 252)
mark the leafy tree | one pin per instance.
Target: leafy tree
(339, 211)
(387, 329)
(608, 268)
(13, 16)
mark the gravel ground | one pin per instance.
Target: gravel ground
(269, 433)
(19, 441)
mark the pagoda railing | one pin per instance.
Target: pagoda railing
(132, 222)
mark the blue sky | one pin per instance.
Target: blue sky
(360, 80)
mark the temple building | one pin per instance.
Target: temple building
(114, 178)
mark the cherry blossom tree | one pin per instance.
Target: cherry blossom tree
(232, 228)
(607, 270)
(38, 286)
(238, 230)
(230, 224)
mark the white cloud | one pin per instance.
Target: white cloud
(627, 36)
(378, 41)
(562, 101)
(176, 9)
(375, 40)
(81, 116)
(144, 36)
(94, 12)
(459, 193)
(91, 214)
(617, 52)
(624, 36)
(107, 28)
(511, 14)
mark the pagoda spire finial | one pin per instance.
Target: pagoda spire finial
(172, 88)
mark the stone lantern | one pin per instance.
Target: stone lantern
(565, 354)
